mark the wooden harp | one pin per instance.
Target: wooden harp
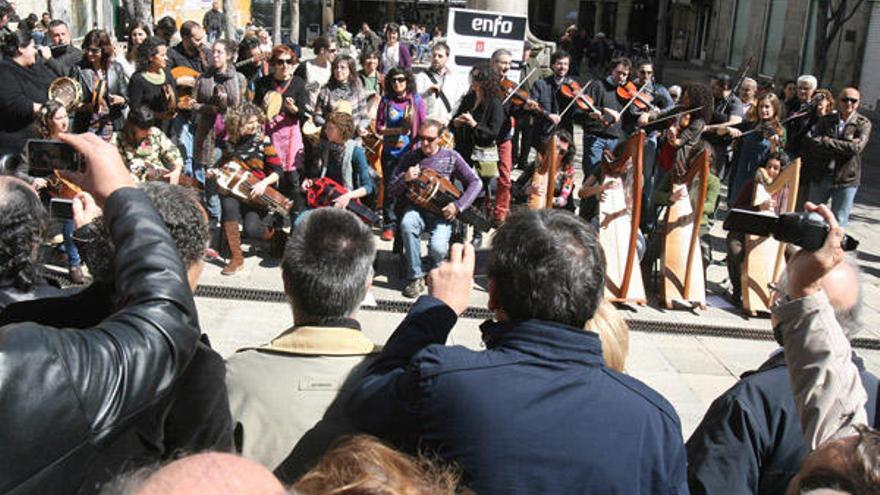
(764, 258)
(619, 215)
(544, 178)
(682, 265)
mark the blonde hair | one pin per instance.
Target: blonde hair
(362, 465)
(613, 333)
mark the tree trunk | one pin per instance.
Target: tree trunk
(230, 20)
(294, 21)
(276, 21)
(137, 11)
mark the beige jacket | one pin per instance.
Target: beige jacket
(279, 392)
(827, 387)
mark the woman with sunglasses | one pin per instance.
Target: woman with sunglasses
(105, 87)
(284, 129)
(394, 53)
(398, 118)
(343, 92)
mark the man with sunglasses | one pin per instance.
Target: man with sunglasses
(834, 160)
(415, 220)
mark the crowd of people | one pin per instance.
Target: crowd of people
(112, 387)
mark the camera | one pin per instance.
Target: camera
(805, 229)
(45, 156)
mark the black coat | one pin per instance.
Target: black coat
(22, 87)
(66, 395)
(536, 412)
(750, 441)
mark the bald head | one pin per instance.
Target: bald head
(844, 292)
(210, 474)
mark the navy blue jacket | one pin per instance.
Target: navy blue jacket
(537, 412)
(750, 440)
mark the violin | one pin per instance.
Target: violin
(639, 98)
(571, 89)
(513, 92)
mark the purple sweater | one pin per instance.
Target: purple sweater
(449, 164)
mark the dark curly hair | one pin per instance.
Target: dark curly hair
(548, 264)
(389, 82)
(23, 224)
(486, 79)
(148, 49)
(700, 95)
(183, 216)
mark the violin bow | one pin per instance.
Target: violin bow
(575, 99)
(516, 88)
(633, 99)
(673, 116)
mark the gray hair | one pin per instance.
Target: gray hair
(809, 80)
(499, 52)
(328, 262)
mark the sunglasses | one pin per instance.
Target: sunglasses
(428, 139)
(283, 61)
(847, 99)
(94, 51)
(398, 79)
(332, 50)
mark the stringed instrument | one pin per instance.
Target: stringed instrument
(185, 96)
(764, 259)
(681, 263)
(636, 96)
(432, 192)
(573, 92)
(620, 210)
(235, 179)
(324, 190)
(152, 173)
(61, 188)
(99, 96)
(544, 177)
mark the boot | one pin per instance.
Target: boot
(233, 237)
(278, 243)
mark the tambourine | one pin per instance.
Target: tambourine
(272, 103)
(66, 91)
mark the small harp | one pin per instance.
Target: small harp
(764, 258)
(619, 216)
(682, 270)
(544, 178)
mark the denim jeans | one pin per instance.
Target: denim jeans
(593, 148)
(73, 258)
(841, 198)
(412, 224)
(182, 133)
(651, 179)
(389, 164)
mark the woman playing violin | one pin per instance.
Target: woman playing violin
(757, 137)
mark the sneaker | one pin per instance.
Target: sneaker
(387, 235)
(414, 288)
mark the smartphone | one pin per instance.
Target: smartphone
(61, 209)
(46, 155)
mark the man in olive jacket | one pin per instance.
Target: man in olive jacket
(835, 164)
(66, 394)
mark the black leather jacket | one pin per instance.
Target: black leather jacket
(64, 395)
